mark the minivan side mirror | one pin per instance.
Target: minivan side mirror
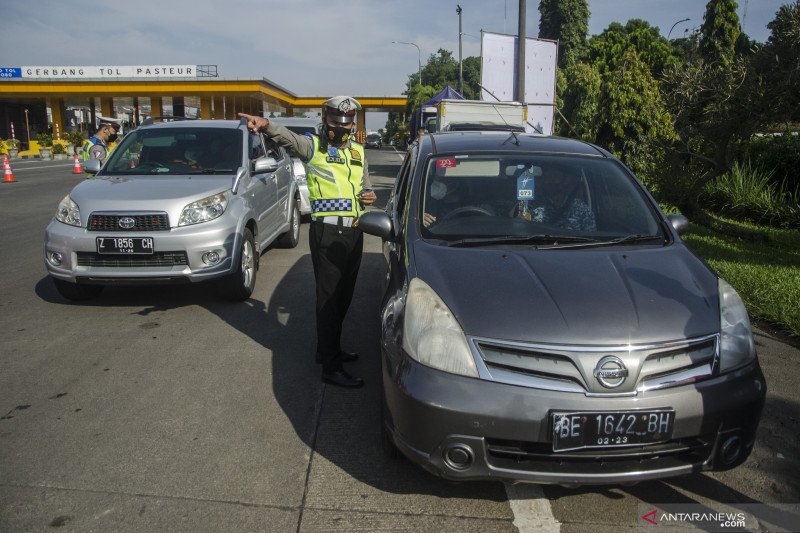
(265, 164)
(679, 223)
(91, 166)
(376, 223)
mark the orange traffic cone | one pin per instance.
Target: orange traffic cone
(77, 168)
(8, 176)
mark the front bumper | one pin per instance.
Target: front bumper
(467, 429)
(178, 254)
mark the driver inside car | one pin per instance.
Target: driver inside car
(444, 196)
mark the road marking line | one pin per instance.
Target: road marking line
(532, 511)
(41, 167)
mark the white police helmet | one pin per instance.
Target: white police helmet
(341, 109)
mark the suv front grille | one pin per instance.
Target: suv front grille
(157, 259)
(142, 222)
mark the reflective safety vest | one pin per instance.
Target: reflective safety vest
(87, 147)
(335, 179)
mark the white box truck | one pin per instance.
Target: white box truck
(470, 115)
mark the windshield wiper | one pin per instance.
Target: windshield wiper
(520, 239)
(626, 239)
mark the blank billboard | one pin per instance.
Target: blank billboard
(498, 75)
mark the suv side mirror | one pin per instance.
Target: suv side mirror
(92, 166)
(265, 164)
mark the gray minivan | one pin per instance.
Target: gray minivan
(543, 321)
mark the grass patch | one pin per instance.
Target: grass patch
(766, 275)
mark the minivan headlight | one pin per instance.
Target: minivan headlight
(68, 212)
(737, 347)
(431, 334)
(204, 210)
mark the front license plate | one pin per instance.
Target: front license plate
(572, 431)
(124, 245)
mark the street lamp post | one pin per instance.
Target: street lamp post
(673, 26)
(419, 58)
(460, 65)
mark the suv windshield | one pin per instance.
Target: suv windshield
(536, 199)
(177, 150)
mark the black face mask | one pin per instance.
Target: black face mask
(338, 134)
(112, 137)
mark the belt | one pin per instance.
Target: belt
(345, 222)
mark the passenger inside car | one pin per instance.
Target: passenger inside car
(557, 199)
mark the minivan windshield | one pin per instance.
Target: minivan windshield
(177, 150)
(536, 199)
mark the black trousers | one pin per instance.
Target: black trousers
(336, 254)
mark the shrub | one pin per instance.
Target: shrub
(746, 192)
(45, 140)
(58, 148)
(779, 153)
(75, 138)
(13, 144)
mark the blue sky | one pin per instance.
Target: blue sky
(311, 47)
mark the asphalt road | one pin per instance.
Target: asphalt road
(168, 409)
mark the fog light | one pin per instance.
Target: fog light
(211, 258)
(458, 456)
(55, 258)
(731, 450)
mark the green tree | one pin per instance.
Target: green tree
(634, 122)
(566, 21)
(720, 31)
(607, 48)
(779, 61)
(580, 100)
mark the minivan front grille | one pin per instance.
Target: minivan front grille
(141, 222)
(572, 368)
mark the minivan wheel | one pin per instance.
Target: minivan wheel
(239, 285)
(291, 237)
(75, 292)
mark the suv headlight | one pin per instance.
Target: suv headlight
(68, 212)
(431, 334)
(737, 347)
(204, 210)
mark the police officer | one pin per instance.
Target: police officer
(339, 191)
(96, 147)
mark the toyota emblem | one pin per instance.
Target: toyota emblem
(610, 372)
(126, 222)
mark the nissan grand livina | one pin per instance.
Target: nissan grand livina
(543, 321)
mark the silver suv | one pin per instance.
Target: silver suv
(177, 201)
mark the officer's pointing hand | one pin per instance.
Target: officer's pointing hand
(255, 123)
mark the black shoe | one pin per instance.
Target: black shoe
(341, 378)
(348, 357)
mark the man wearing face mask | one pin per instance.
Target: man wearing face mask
(96, 147)
(339, 191)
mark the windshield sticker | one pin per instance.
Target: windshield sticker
(525, 187)
(447, 162)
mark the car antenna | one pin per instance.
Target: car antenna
(536, 128)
